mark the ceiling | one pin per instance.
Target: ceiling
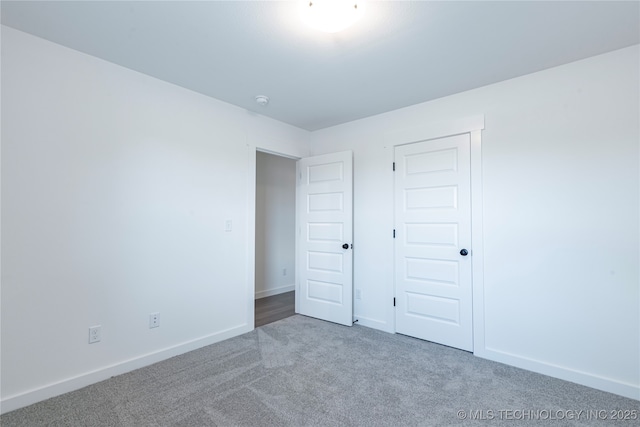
(401, 53)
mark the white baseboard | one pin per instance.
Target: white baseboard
(70, 384)
(583, 378)
(275, 291)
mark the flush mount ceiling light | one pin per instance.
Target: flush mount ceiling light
(331, 16)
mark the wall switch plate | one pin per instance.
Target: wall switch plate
(228, 225)
(284, 271)
(154, 320)
(358, 294)
(95, 334)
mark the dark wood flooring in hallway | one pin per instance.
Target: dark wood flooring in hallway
(273, 308)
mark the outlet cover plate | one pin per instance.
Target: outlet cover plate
(95, 334)
(154, 320)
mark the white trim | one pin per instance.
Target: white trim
(631, 391)
(251, 235)
(296, 278)
(67, 385)
(477, 242)
(434, 130)
(390, 291)
(275, 291)
(254, 145)
(275, 153)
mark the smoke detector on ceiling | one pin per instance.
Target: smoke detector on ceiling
(262, 100)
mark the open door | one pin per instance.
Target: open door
(324, 225)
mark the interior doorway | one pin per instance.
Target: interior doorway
(275, 238)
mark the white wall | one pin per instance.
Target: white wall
(560, 154)
(115, 191)
(275, 224)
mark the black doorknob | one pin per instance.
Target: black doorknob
(464, 252)
(345, 246)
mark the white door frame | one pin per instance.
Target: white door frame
(252, 149)
(473, 126)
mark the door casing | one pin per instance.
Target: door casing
(252, 149)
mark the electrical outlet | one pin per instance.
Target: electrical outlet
(154, 320)
(358, 293)
(95, 334)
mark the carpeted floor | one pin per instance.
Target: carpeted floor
(305, 372)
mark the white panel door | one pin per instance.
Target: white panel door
(433, 238)
(324, 221)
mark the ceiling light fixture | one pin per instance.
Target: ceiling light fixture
(262, 100)
(331, 16)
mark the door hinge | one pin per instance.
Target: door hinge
(394, 302)
(394, 166)
(394, 233)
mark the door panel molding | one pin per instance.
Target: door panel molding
(433, 283)
(324, 237)
(472, 125)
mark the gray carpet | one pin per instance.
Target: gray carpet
(305, 372)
